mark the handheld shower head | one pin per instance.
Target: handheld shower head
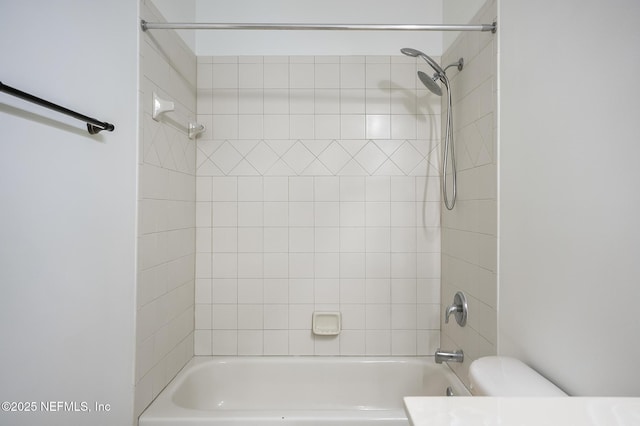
(415, 53)
(410, 52)
(432, 82)
(448, 155)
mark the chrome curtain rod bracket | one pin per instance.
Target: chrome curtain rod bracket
(93, 126)
(312, 27)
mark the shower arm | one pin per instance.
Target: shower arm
(442, 75)
(459, 65)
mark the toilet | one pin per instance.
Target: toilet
(505, 376)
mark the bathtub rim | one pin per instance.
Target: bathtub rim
(163, 407)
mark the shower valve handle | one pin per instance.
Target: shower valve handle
(459, 309)
(450, 310)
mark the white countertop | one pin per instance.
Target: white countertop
(486, 411)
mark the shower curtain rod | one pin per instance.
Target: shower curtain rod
(350, 27)
(93, 126)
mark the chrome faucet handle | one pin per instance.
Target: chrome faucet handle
(450, 310)
(459, 309)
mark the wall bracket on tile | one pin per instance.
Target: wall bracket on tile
(194, 129)
(161, 106)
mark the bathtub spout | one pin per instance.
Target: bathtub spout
(448, 356)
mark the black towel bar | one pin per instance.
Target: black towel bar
(93, 126)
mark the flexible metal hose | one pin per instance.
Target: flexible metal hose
(449, 151)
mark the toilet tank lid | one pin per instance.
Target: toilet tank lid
(505, 376)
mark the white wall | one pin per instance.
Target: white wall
(569, 195)
(67, 222)
(317, 42)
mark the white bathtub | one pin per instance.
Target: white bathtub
(309, 391)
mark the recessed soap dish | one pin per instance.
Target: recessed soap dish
(326, 323)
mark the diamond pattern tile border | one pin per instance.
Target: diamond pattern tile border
(310, 158)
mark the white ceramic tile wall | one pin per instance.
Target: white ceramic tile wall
(166, 228)
(469, 231)
(317, 189)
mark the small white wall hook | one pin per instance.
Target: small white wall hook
(161, 106)
(195, 129)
